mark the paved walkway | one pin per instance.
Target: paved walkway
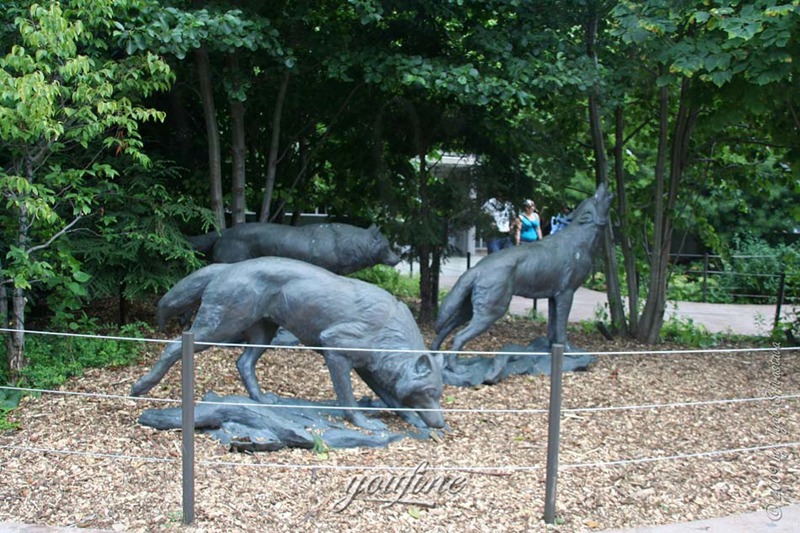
(741, 319)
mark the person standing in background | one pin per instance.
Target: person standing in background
(560, 221)
(529, 227)
(501, 212)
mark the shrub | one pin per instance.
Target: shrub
(390, 280)
(755, 268)
(52, 359)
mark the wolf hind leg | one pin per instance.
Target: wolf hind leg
(487, 308)
(462, 314)
(259, 334)
(170, 356)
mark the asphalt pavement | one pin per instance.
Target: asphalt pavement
(740, 319)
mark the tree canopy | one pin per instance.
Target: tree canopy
(210, 114)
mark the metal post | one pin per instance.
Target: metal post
(705, 277)
(187, 425)
(553, 432)
(781, 289)
(469, 260)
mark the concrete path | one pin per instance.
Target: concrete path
(741, 319)
(786, 521)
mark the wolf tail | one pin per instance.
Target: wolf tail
(456, 308)
(183, 297)
(204, 243)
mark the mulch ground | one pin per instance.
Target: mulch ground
(494, 460)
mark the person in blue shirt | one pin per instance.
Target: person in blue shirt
(560, 221)
(529, 226)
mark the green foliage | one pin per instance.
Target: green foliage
(69, 106)
(687, 286)
(686, 332)
(390, 280)
(790, 322)
(176, 32)
(136, 247)
(54, 359)
(758, 266)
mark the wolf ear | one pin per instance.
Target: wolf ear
(423, 366)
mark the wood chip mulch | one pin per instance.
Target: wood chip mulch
(85, 461)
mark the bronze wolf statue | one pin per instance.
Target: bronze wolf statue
(249, 300)
(551, 268)
(340, 248)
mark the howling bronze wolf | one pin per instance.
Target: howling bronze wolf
(249, 300)
(551, 268)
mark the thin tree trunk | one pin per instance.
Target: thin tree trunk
(649, 327)
(272, 165)
(601, 176)
(653, 315)
(212, 133)
(427, 310)
(238, 151)
(16, 339)
(5, 367)
(624, 226)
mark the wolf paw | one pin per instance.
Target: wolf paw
(369, 424)
(139, 388)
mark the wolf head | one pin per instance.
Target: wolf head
(594, 210)
(382, 248)
(420, 387)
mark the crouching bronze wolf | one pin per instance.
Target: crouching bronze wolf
(356, 325)
(551, 268)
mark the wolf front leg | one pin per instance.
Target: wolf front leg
(558, 312)
(389, 399)
(339, 366)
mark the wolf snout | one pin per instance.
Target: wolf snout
(390, 258)
(434, 419)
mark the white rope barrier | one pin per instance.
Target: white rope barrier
(597, 464)
(385, 350)
(698, 403)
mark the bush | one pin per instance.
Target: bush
(754, 270)
(53, 359)
(390, 280)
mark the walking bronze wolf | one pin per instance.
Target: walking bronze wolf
(551, 268)
(340, 248)
(357, 326)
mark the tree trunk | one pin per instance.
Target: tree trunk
(238, 151)
(272, 165)
(652, 319)
(628, 254)
(427, 309)
(5, 367)
(601, 176)
(16, 339)
(212, 133)
(653, 315)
